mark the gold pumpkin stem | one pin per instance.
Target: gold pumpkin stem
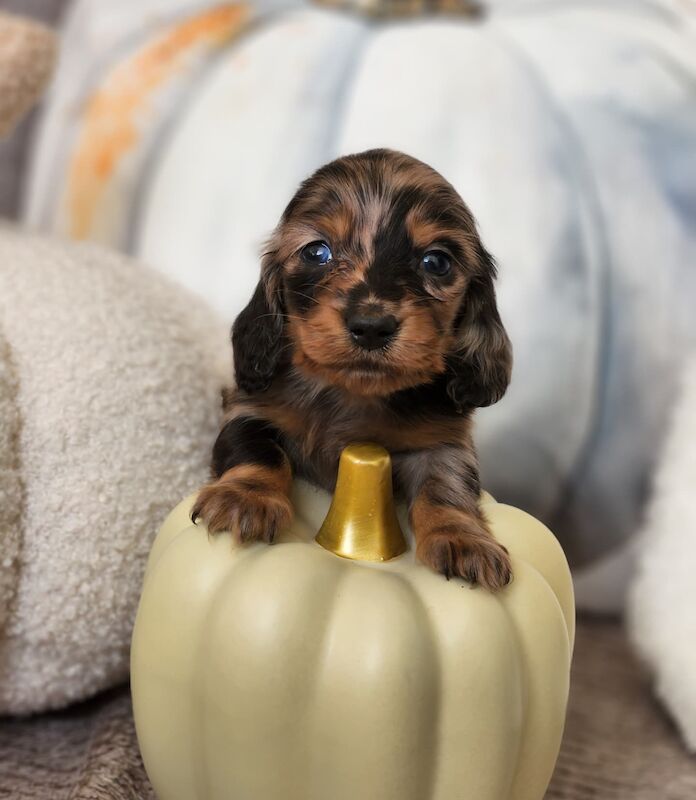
(399, 9)
(361, 523)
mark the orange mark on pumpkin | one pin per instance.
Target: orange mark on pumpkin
(110, 126)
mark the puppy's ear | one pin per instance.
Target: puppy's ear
(480, 366)
(257, 333)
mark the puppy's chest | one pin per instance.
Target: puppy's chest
(320, 435)
(314, 436)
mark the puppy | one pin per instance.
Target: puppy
(375, 319)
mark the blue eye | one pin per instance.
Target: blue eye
(317, 253)
(435, 262)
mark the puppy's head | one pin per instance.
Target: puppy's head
(375, 280)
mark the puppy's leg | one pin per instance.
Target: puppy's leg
(452, 535)
(249, 493)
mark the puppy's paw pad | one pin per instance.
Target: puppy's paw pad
(484, 562)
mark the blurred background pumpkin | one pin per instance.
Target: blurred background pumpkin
(177, 131)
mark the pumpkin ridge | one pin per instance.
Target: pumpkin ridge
(401, 620)
(434, 645)
(599, 271)
(320, 654)
(538, 703)
(201, 769)
(505, 515)
(122, 97)
(345, 90)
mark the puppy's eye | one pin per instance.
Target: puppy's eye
(317, 253)
(435, 262)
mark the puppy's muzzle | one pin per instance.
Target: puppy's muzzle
(370, 332)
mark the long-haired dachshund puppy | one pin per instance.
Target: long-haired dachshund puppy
(375, 319)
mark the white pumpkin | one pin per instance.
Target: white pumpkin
(568, 127)
(289, 673)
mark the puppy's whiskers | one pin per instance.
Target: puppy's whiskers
(305, 296)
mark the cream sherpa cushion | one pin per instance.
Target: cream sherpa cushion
(662, 606)
(109, 393)
(10, 484)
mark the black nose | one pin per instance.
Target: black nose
(372, 332)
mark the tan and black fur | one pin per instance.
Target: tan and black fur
(306, 386)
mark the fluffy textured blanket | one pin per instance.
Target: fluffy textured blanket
(109, 394)
(663, 595)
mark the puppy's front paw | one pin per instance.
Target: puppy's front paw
(479, 560)
(249, 501)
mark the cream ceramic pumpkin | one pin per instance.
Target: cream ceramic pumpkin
(290, 673)
(569, 127)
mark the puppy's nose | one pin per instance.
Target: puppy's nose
(371, 332)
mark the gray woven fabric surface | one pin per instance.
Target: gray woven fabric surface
(618, 743)
(87, 753)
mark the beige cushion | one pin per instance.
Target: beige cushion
(110, 380)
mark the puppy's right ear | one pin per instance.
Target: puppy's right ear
(257, 333)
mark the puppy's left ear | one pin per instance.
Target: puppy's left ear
(480, 366)
(258, 332)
